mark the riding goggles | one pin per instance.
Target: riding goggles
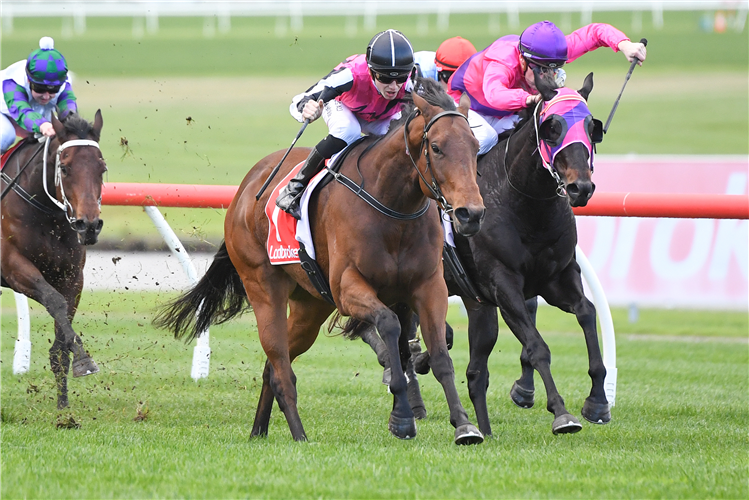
(40, 88)
(445, 75)
(386, 80)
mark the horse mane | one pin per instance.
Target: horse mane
(76, 124)
(431, 92)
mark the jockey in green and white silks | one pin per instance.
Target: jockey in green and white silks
(32, 89)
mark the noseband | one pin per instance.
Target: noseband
(434, 187)
(65, 205)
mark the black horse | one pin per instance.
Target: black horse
(50, 213)
(525, 249)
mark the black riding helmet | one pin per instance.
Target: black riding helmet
(390, 54)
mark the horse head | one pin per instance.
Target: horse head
(79, 171)
(566, 136)
(447, 166)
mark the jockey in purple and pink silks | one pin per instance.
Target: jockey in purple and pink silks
(363, 94)
(32, 89)
(500, 79)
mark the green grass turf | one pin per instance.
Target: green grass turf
(678, 429)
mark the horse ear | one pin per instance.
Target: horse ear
(420, 103)
(587, 86)
(545, 88)
(98, 124)
(59, 127)
(464, 105)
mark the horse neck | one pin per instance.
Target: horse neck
(392, 178)
(524, 167)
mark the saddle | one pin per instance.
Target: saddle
(290, 241)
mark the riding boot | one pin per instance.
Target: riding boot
(288, 199)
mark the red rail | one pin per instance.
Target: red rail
(697, 206)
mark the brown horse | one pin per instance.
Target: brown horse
(371, 260)
(51, 212)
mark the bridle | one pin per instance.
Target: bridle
(433, 186)
(63, 205)
(542, 147)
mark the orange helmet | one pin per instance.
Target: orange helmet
(452, 53)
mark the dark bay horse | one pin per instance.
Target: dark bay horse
(371, 260)
(526, 248)
(50, 214)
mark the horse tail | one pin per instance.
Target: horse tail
(216, 298)
(353, 328)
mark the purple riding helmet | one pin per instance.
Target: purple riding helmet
(544, 44)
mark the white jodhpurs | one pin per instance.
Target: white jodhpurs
(7, 133)
(345, 125)
(487, 128)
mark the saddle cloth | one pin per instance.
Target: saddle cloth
(7, 154)
(284, 231)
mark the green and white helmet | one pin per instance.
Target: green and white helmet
(46, 66)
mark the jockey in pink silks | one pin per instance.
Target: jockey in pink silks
(500, 79)
(363, 94)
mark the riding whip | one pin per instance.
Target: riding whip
(629, 73)
(13, 181)
(275, 170)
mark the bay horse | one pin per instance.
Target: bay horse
(371, 260)
(50, 214)
(526, 248)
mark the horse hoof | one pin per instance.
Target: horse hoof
(420, 413)
(386, 376)
(402, 427)
(522, 397)
(566, 424)
(468, 434)
(62, 403)
(421, 363)
(84, 366)
(596, 413)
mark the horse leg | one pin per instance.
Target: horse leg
(567, 294)
(25, 278)
(370, 337)
(515, 314)
(303, 326)
(431, 306)
(523, 390)
(407, 339)
(483, 329)
(264, 405)
(359, 300)
(83, 363)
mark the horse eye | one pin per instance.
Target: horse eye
(436, 148)
(64, 169)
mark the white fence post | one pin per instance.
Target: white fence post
(201, 358)
(607, 324)
(22, 350)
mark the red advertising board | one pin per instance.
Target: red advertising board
(670, 262)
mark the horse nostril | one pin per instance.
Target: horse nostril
(99, 225)
(573, 190)
(79, 226)
(462, 214)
